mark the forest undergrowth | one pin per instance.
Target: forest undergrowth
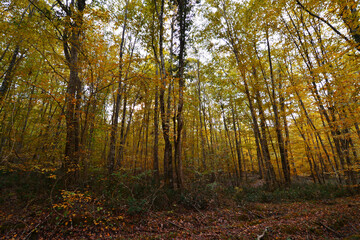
(36, 205)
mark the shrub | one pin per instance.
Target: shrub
(25, 186)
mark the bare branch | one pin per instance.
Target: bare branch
(329, 24)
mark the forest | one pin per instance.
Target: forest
(179, 119)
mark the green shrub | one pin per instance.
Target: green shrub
(24, 186)
(135, 206)
(201, 195)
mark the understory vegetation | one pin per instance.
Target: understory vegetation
(35, 204)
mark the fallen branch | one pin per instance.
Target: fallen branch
(176, 225)
(172, 223)
(262, 235)
(196, 208)
(37, 225)
(330, 229)
(251, 213)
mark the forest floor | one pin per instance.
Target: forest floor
(323, 219)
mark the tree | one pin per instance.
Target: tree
(72, 47)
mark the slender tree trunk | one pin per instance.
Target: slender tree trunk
(230, 144)
(20, 143)
(282, 150)
(6, 83)
(156, 138)
(237, 144)
(117, 102)
(202, 138)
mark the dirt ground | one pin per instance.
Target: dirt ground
(330, 219)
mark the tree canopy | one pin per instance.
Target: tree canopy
(181, 88)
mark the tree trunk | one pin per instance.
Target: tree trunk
(156, 138)
(284, 161)
(183, 10)
(72, 49)
(202, 138)
(116, 107)
(237, 144)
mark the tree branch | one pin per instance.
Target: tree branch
(329, 24)
(63, 7)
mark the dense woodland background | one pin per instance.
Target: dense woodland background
(137, 103)
(228, 91)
